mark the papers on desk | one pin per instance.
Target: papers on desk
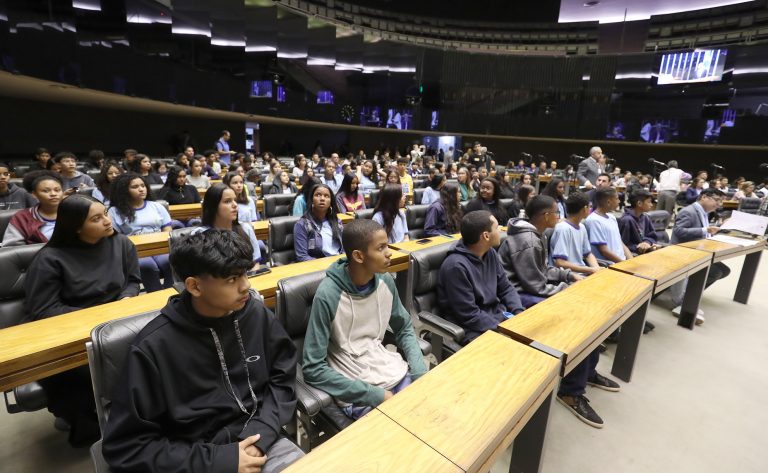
(747, 223)
(734, 240)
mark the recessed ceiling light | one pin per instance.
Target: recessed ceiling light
(591, 3)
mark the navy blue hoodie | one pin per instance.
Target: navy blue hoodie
(174, 410)
(475, 292)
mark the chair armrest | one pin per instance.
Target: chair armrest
(604, 263)
(424, 346)
(311, 400)
(437, 324)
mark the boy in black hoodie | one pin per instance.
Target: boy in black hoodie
(209, 382)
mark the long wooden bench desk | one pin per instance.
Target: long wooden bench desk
(751, 249)
(373, 443)
(187, 211)
(422, 243)
(152, 244)
(473, 405)
(669, 265)
(42, 348)
(573, 323)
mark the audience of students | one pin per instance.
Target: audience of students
(405, 179)
(282, 184)
(13, 197)
(191, 396)
(432, 192)
(246, 207)
(349, 198)
(104, 180)
(196, 176)
(444, 215)
(330, 178)
(603, 228)
(176, 191)
(318, 232)
(222, 211)
(369, 176)
(636, 228)
(464, 184)
(488, 199)
(300, 203)
(344, 352)
(35, 224)
(142, 166)
(556, 189)
(389, 213)
(472, 287)
(84, 264)
(132, 214)
(71, 178)
(525, 253)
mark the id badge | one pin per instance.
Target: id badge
(311, 244)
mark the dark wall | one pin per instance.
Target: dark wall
(30, 124)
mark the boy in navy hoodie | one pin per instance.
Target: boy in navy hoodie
(472, 286)
(207, 384)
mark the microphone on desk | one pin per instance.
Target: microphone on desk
(653, 162)
(526, 155)
(577, 157)
(717, 166)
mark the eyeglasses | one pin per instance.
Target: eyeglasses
(556, 212)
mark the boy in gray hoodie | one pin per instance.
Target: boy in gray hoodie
(344, 354)
(524, 253)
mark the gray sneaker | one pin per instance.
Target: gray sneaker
(579, 406)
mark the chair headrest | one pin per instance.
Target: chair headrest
(294, 301)
(14, 262)
(425, 266)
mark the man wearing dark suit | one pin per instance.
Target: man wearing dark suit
(692, 223)
(589, 169)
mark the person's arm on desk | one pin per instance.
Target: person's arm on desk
(607, 253)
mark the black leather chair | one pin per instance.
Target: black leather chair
(317, 413)
(445, 337)
(278, 205)
(175, 235)
(750, 205)
(419, 183)
(5, 219)
(417, 195)
(20, 169)
(463, 206)
(660, 220)
(281, 240)
(373, 199)
(511, 207)
(154, 189)
(14, 262)
(365, 213)
(415, 216)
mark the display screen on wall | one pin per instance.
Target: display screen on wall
(399, 118)
(324, 97)
(261, 89)
(370, 116)
(700, 65)
(281, 93)
(659, 131)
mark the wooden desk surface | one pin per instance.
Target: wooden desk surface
(38, 349)
(414, 245)
(187, 211)
(667, 265)
(374, 443)
(472, 406)
(723, 250)
(730, 204)
(575, 320)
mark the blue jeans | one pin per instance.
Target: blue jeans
(575, 382)
(356, 412)
(529, 300)
(152, 268)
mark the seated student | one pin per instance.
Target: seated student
(196, 175)
(570, 248)
(35, 224)
(556, 190)
(133, 214)
(84, 264)
(71, 178)
(221, 211)
(524, 194)
(13, 197)
(389, 213)
(282, 184)
(369, 176)
(465, 186)
(636, 228)
(300, 202)
(104, 180)
(161, 170)
(142, 166)
(208, 383)
(176, 191)
(444, 215)
(330, 178)
(246, 207)
(488, 199)
(318, 232)
(432, 192)
(524, 253)
(692, 223)
(349, 197)
(42, 156)
(472, 287)
(603, 182)
(356, 302)
(405, 179)
(603, 229)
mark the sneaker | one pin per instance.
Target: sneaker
(699, 314)
(648, 327)
(579, 406)
(600, 381)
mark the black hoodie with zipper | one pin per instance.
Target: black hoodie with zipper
(175, 409)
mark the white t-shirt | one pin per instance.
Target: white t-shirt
(150, 218)
(604, 230)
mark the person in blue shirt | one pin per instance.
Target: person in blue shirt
(221, 211)
(603, 229)
(330, 178)
(317, 234)
(569, 243)
(369, 176)
(222, 146)
(300, 202)
(556, 190)
(432, 192)
(389, 215)
(246, 206)
(133, 214)
(109, 173)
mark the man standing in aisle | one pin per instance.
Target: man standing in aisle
(669, 186)
(225, 154)
(589, 168)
